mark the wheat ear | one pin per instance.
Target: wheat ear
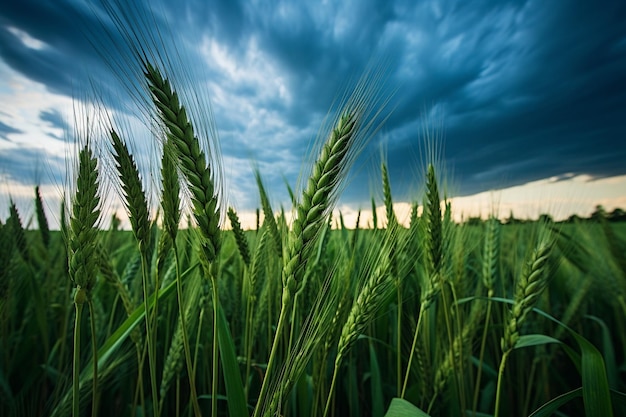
(206, 212)
(366, 305)
(170, 202)
(491, 257)
(528, 289)
(434, 248)
(132, 189)
(19, 236)
(82, 230)
(391, 215)
(311, 217)
(434, 227)
(240, 237)
(192, 160)
(42, 221)
(316, 198)
(137, 207)
(268, 215)
(81, 244)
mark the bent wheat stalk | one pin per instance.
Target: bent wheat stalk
(137, 206)
(310, 218)
(529, 287)
(199, 175)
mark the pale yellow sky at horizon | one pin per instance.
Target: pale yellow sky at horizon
(577, 195)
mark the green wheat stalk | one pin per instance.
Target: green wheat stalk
(81, 244)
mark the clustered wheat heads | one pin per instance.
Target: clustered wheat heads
(320, 357)
(295, 298)
(349, 133)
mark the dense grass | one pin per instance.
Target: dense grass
(295, 318)
(585, 289)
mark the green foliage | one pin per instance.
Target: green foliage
(299, 320)
(537, 376)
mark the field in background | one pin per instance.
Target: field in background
(421, 318)
(456, 356)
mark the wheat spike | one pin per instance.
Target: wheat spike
(240, 237)
(366, 304)
(316, 198)
(82, 231)
(433, 220)
(268, 214)
(528, 289)
(192, 160)
(491, 254)
(134, 195)
(42, 221)
(17, 230)
(391, 215)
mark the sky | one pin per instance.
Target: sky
(525, 101)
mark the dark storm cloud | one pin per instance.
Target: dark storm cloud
(538, 91)
(82, 52)
(320, 48)
(57, 24)
(6, 130)
(525, 89)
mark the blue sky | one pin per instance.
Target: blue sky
(521, 91)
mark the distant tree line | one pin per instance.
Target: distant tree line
(598, 215)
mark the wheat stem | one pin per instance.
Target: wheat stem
(216, 313)
(94, 353)
(411, 355)
(181, 312)
(79, 300)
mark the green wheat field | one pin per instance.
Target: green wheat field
(181, 315)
